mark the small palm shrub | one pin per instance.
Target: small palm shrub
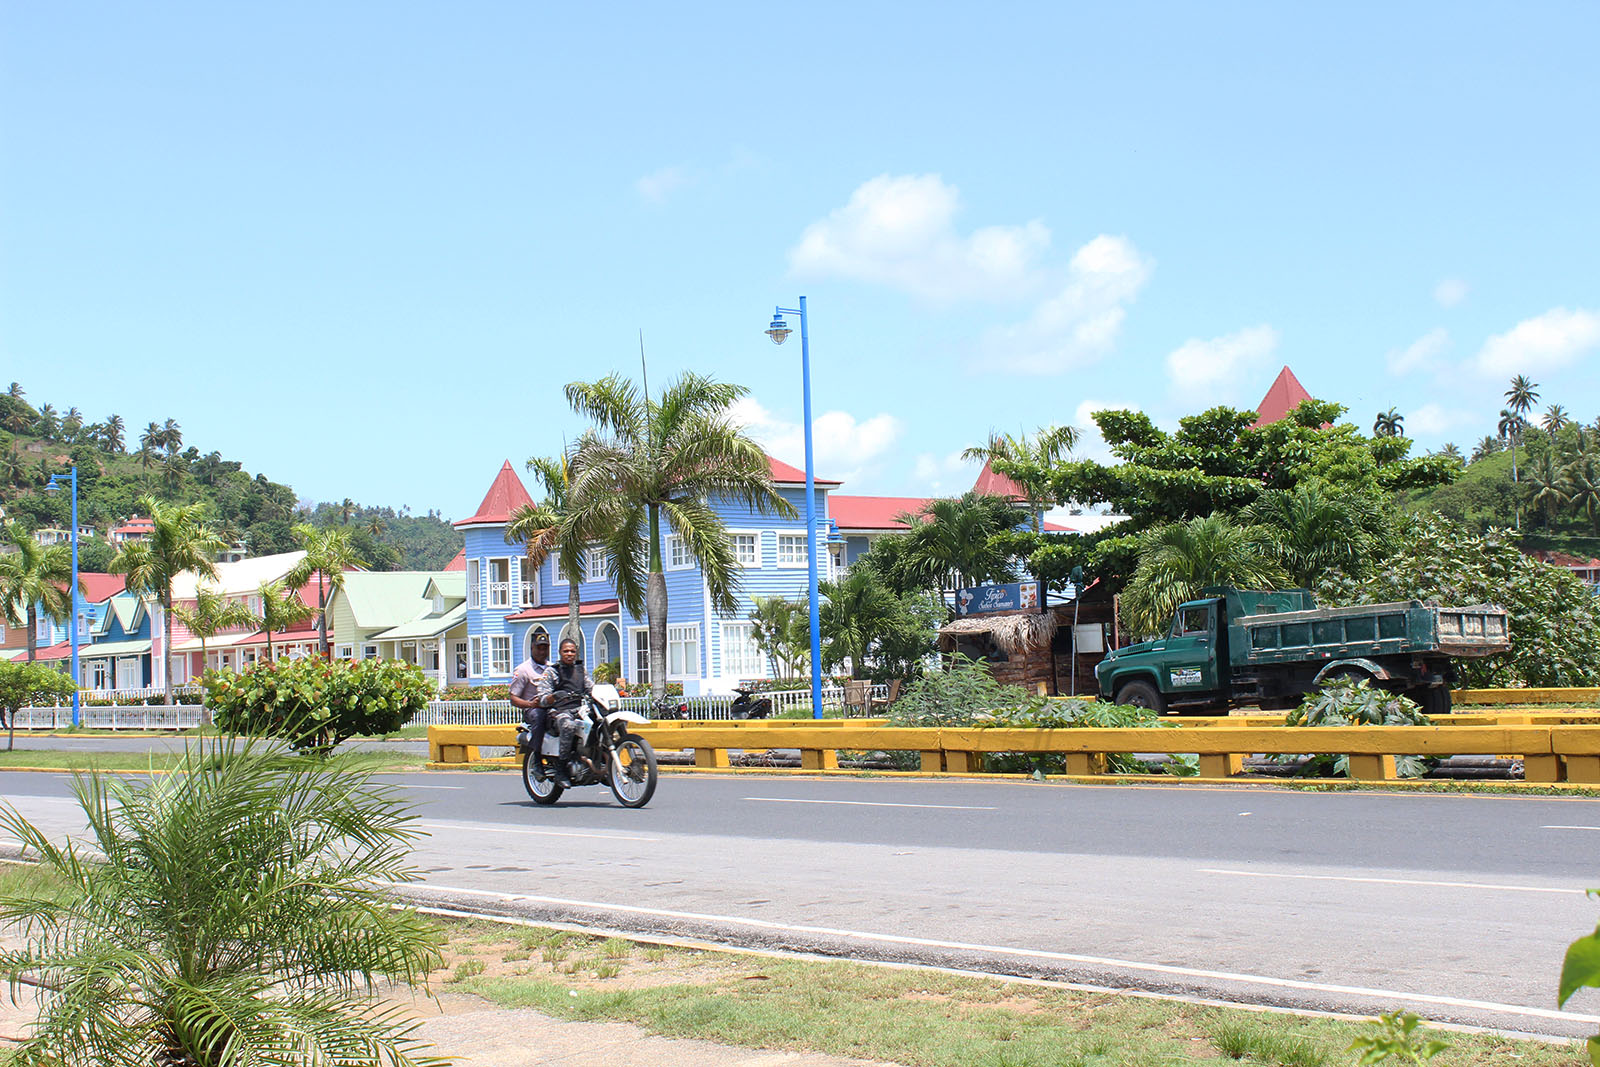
(231, 912)
(1358, 703)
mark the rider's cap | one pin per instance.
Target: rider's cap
(541, 639)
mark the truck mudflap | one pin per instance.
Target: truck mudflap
(1366, 665)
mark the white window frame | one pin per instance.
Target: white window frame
(528, 586)
(474, 588)
(83, 625)
(592, 555)
(369, 651)
(804, 558)
(131, 669)
(745, 642)
(475, 656)
(2, 632)
(499, 668)
(675, 555)
(637, 671)
(733, 543)
(506, 603)
(41, 627)
(343, 651)
(677, 634)
(99, 674)
(438, 603)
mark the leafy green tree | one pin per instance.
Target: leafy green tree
(329, 554)
(211, 614)
(179, 541)
(1179, 559)
(281, 608)
(1548, 480)
(1553, 618)
(1033, 457)
(1389, 424)
(950, 543)
(315, 704)
(781, 629)
(878, 633)
(651, 461)
(26, 684)
(34, 578)
(233, 912)
(1308, 531)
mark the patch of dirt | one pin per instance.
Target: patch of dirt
(582, 962)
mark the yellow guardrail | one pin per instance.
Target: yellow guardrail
(1525, 696)
(1550, 753)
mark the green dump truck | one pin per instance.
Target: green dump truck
(1235, 646)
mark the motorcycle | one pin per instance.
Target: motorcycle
(616, 756)
(743, 707)
(669, 707)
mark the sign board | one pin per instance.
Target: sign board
(1014, 596)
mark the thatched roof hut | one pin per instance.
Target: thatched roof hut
(1010, 633)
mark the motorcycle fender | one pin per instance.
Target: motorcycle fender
(626, 716)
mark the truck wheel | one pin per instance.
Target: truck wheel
(1432, 700)
(1141, 695)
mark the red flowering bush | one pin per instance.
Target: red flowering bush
(313, 703)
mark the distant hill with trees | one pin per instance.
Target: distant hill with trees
(117, 464)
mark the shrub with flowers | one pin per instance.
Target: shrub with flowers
(313, 703)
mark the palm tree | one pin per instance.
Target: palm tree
(212, 613)
(551, 526)
(172, 470)
(179, 541)
(1179, 559)
(328, 555)
(1034, 458)
(856, 611)
(48, 424)
(13, 467)
(281, 608)
(34, 578)
(15, 392)
(949, 543)
(375, 525)
(781, 629)
(150, 439)
(1451, 452)
(234, 911)
(1485, 448)
(1510, 428)
(1310, 533)
(1555, 417)
(667, 459)
(171, 435)
(1548, 480)
(71, 423)
(114, 431)
(1389, 424)
(1521, 396)
(347, 508)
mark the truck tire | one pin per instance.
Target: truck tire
(1432, 700)
(1141, 695)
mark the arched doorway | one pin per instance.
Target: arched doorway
(570, 633)
(607, 644)
(534, 632)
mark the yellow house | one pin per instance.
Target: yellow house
(418, 617)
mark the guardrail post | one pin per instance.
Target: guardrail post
(932, 760)
(711, 757)
(1584, 769)
(1367, 767)
(963, 762)
(1541, 768)
(1086, 764)
(817, 759)
(1221, 765)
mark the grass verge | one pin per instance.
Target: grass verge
(911, 1017)
(136, 762)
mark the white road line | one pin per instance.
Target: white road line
(1569, 827)
(1389, 995)
(1394, 881)
(536, 833)
(872, 804)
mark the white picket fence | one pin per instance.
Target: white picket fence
(185, 716)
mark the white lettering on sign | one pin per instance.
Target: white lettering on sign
(1186, 676)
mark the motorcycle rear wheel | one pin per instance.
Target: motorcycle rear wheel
(543, 791)
(633, 772)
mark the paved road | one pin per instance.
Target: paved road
(1458, 907)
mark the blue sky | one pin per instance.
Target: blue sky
(361, 247)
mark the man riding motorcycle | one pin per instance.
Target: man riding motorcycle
(560, 691)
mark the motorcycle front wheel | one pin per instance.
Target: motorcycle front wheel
(633, 771)
(543, 791)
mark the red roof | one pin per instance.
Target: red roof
(783, 474)
(98, 588)
(504, 496)
(558, 611)
(872, 512)
(459, 563)
(994, 483)
(1284, 396)
(136, 524)
(54, 652)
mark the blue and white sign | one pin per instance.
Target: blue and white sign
(1015, 596)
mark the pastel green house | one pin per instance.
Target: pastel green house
(417, 617)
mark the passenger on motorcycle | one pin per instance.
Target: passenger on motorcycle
(525, 694)
(560, 691)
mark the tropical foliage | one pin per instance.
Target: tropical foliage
(1027, 461)
(1178, 560)
(26, 684)
(329, 554)
(232, 912)
(34, 578)
(878, 633)
(314, 704)
(781, 629)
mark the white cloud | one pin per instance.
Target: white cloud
(843, 447)
(936, 475)
(1198, 368)
(1544, 342)
(663, 183)
(1432, 419)
(1080, 323)
(1421, 354)
(900, 232)
(1090, 444)
(1450, 292)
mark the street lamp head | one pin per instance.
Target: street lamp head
(779, 330)
(55, 485)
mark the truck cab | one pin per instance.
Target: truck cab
(1186, 667)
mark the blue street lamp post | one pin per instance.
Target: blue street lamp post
(72, 623)
(779, 332)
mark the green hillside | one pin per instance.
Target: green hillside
(117, 465)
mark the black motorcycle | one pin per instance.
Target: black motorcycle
(669, 707)
(606, 753)
(747, 706)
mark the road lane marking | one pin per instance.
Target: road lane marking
(537, 833)
(872, 804)
(1390, 995)
(1393, 881)
(1569, 827)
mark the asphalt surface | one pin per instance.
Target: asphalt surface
(1457, 907)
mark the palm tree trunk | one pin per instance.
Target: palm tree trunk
(33, 631)
(572, 613)
(655, 609)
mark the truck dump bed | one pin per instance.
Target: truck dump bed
(1367, 630)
